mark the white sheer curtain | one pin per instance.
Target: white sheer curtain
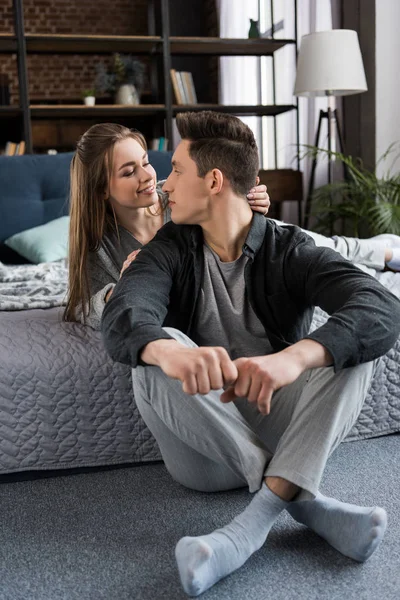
(239, 75)
(246, 80)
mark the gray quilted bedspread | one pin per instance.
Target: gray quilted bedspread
(64, 403)
(381, 411)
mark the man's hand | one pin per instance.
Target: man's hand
(199, 369)
(260, 376)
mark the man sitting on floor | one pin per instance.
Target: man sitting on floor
(223, 299)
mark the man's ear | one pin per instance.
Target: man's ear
(215, 181)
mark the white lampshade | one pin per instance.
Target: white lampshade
(330, 63)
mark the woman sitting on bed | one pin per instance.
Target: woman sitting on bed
(117, 207)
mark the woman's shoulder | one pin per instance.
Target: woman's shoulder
(163, 196)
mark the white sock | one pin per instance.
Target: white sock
(355, 531)
(394, 262)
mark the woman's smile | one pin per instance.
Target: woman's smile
(150, 189)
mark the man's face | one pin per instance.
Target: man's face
(189, 197)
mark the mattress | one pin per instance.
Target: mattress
(65, 404)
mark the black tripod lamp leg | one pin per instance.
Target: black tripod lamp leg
(312, 173)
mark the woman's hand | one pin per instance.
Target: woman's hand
(130, 258)
(259, 199)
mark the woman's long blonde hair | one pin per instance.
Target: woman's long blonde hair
(91, 215)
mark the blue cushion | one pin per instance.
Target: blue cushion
(34, 188)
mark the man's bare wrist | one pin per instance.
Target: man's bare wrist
(153, 351)
(310, 354)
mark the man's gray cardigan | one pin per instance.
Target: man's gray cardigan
(286, 277)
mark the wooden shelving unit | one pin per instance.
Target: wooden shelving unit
(162, 46)
(259, 110)
(109, 110)
(10, 111)
(100, 44)
(100, 110)
(226, 46)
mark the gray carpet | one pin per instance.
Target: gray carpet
(111, 534)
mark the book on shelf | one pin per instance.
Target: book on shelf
(13, 149)
(176, 87)
(188, 84)
(182, 89)
(160, 143)
(20, 149)
(183, 86)
(10, 149)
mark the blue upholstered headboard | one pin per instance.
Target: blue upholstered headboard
(34, 188)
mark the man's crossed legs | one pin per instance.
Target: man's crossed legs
(210, 446)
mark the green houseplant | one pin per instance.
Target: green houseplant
(363, 204)
(89, 96)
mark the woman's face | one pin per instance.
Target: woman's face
(133, 179)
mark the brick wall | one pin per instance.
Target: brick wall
(65, 76)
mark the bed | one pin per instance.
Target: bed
(65, 404)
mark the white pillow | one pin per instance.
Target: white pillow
(45, 243)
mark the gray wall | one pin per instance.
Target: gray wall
(359, 111)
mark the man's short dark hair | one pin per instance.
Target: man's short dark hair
(220, 141)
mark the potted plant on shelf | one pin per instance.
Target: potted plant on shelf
(363, 204)
(124, 78)
(89, 96)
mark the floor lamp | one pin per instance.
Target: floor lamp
(329, 64)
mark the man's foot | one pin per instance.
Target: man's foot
(353, 530)
(204, 560)
(394, 261)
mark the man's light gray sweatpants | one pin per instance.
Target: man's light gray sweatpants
(210, 446)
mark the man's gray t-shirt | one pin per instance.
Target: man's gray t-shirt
(224, 316)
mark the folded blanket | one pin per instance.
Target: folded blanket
(33, 286)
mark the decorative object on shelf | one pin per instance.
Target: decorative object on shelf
(329, 64)
(254, 31)
(124, 78)
(364, 204)
(127, 94)
(89, 97)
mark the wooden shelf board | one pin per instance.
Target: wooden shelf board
(259, 110)
(10, 111)
(8, 43)
(226, 46)
(46, 43)
(101, 110)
